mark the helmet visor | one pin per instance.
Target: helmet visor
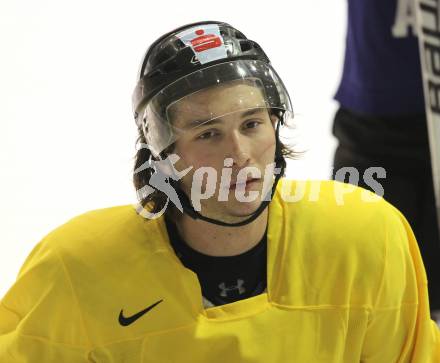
(237, 87)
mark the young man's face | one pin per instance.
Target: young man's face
(244, 133)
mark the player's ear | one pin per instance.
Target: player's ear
(172, 166)
(165, 160)
(164, 167)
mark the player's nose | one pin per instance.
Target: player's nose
(238, 149)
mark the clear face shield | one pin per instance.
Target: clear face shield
(242, 87)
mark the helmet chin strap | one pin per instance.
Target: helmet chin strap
(280, 163)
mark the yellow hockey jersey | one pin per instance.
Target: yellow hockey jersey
(345, 283)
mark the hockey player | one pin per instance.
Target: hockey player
(247, 266)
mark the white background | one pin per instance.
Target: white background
(67, 72)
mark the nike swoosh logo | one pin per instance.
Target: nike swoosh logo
(131, 319)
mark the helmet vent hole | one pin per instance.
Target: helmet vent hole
(245, 46)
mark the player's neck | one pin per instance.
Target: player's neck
(215, 240)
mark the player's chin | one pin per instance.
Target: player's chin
(243, 208)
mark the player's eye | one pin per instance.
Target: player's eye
(209, 134)
(252, 124)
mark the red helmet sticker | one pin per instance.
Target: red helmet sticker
(205, 41)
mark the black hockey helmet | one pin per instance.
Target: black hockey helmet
(194, 57)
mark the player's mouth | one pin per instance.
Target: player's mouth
(245, 185)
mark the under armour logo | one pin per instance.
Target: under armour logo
(238, 287)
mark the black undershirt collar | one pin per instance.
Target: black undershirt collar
(224, 279)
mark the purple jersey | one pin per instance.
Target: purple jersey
(381, 73)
